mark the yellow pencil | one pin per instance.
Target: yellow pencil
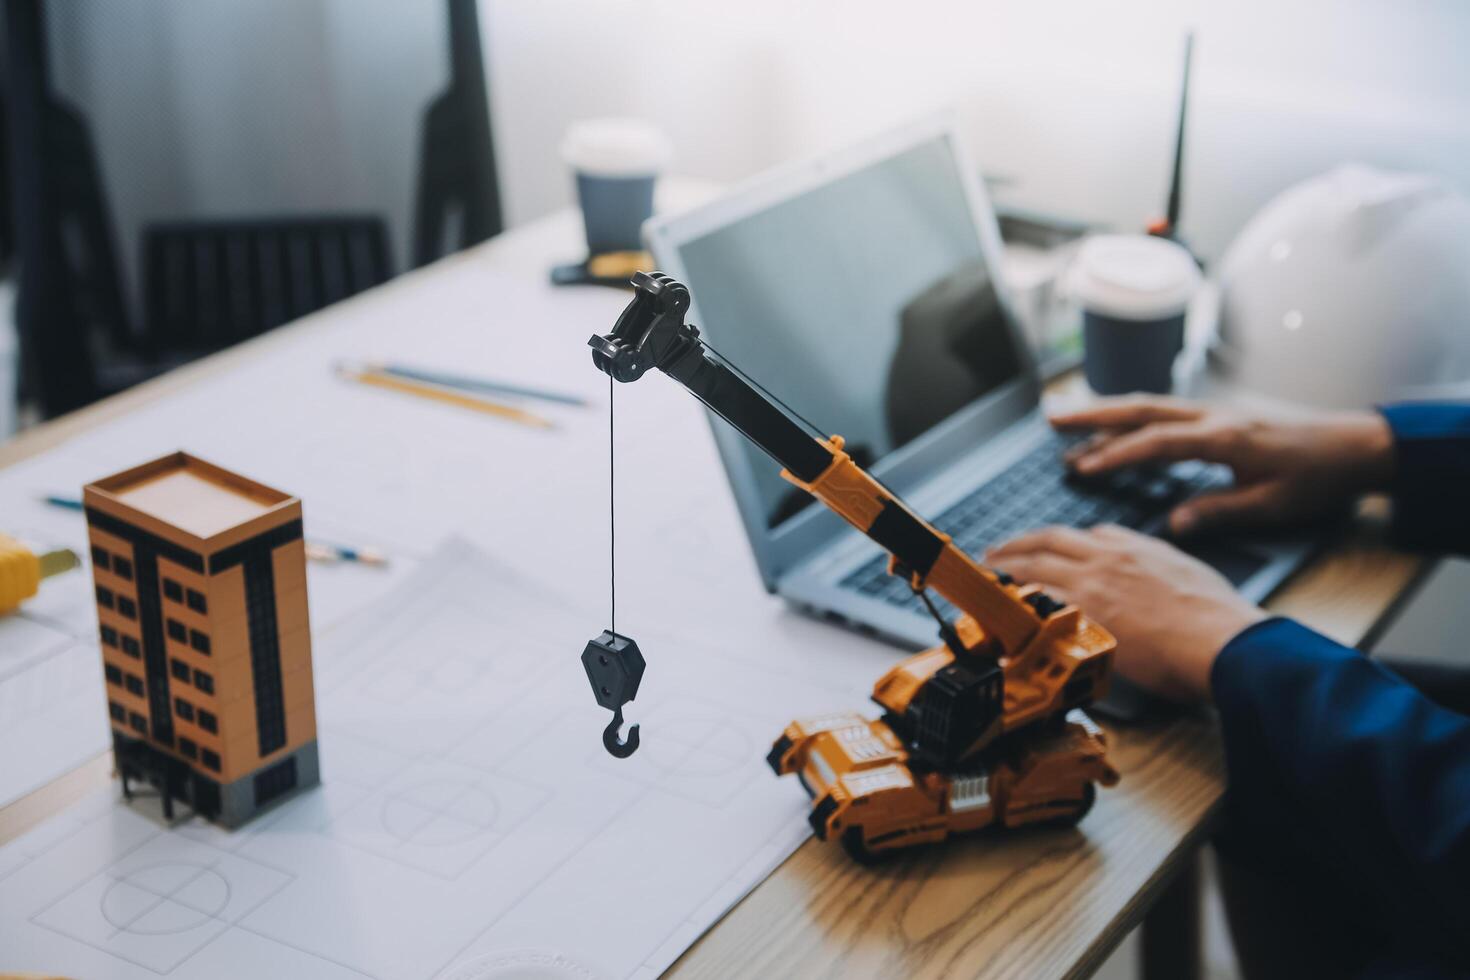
(435, 393)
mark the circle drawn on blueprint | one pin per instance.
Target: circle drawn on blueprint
(439, 812)
(194, 893)
(521, 964)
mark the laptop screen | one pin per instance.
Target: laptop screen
(864, 304)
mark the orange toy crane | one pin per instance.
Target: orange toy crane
(983, 729)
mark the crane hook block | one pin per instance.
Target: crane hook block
(614, 666)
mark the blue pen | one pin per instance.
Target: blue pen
(465, 383)
(70, 503)
(326, 552)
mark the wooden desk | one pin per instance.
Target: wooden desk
(1046, 904)
(1052, 904)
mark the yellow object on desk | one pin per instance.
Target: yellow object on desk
(21, 570)
(618, 265)
(446, 395)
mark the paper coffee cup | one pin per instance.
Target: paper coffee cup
(1134, 291)
(615, 162)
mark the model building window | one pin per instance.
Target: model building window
(183, 709)
(208, 722)
(123, 568)
(138, 722)
(127, 607)
(210, 759)
(130, 646)
(179, 669)
(187, 747)
(196, 601)
(117, 712)
(173, 590)
(109, 636)
(114, 674)
(204, 682)
(176, 631)
(100, 558)
(134, 684)
(199, 642)
(104, 597)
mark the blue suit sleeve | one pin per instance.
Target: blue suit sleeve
(1431, 484)
(1333, 758)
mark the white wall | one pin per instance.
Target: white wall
(1074, 99)
(217, 107)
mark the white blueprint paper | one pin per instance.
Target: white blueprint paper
(469, 824)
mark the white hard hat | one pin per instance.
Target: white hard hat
(1351, 289)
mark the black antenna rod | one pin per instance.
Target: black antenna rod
(1171, 216)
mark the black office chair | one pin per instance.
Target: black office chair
(186, 174)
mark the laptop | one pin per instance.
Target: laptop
(864, 291)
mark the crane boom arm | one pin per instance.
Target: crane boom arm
(652, 333)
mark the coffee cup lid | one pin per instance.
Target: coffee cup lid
(616, 147)
(1133, 277)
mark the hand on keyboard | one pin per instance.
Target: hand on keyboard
(1038, 490)
(1285, 467)
(1170, 613)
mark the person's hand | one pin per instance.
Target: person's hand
(1170, 613)
(1286, 467)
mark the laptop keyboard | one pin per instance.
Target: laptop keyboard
(1040, 490)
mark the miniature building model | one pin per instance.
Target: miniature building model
(206, 644)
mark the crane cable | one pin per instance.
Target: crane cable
(612, 516)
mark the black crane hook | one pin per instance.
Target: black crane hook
(615, 745)
(614, 666)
